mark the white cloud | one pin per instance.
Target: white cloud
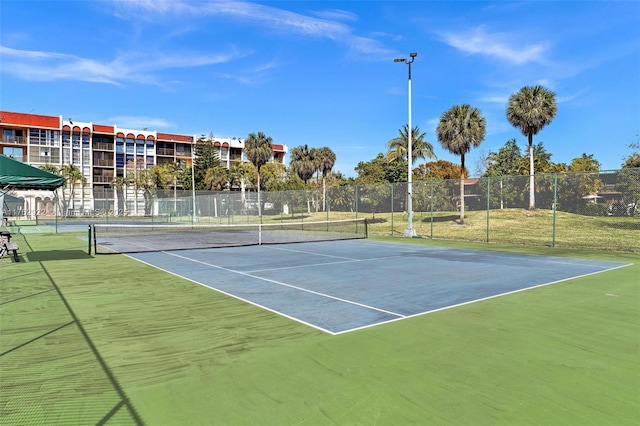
(327, 25)
(336, 14)
(140, 122)
(478, 41)
(129, 67)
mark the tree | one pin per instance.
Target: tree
(205, 157)
(238, 175)
(530, 109)
(586, 163)
(507, 161)
(628, 183)
(120, 183)
(440, 169)
(325, 159)
(633, 160)
(216, 178)
(146, 181)
(50, 168)
(259, 151)
(303, 162)
(460, 128)
(379, 170)
(420, 148)
(72, 175)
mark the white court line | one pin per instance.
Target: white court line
(312, 265)
(482, 299)
(548, 258)
(246, 274)
(234, 296)
(311, 252)
(398, 316)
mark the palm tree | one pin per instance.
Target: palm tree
(303, 162)
(325, 159)
(50, 168)
(120, 183)
(460, 128)
(530, 109)
(217, 178)
(258, 149)
(420, 148)
(73, 175)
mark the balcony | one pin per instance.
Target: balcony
(103, 163)
(102, 179)
(18, 140)
(165, 152)
(102, 146)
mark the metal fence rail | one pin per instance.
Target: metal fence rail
(599, 210)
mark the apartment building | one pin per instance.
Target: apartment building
(102, 153)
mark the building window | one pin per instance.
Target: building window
(86, 138)
(15, 153)
(75, 139)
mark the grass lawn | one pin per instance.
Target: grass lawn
(107, 339)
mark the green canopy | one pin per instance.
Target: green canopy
(18, 175)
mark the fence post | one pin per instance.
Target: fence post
(488, 203)
(89, 242)
(555, 202)
(392, 185)
(356, 201)
(431, 199)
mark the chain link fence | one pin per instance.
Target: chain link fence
(598, 210)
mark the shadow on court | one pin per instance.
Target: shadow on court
(40, 256)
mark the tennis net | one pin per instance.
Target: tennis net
(127, 238)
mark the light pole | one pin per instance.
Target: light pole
(194, 219)
(409, 232)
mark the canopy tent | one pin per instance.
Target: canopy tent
(16, 175)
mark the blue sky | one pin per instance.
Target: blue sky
(322, 73)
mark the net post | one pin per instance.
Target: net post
(89, 242)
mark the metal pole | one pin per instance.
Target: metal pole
(555, 203)
(488, 203)
(193, 184)
(409, 232)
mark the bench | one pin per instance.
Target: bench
(6, 245)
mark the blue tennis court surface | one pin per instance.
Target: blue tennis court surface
(341, 286)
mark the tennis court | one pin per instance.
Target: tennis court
(346, 285)
(137, 345)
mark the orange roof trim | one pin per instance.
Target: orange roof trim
(30, 120)
(175, 138)
(102, 129)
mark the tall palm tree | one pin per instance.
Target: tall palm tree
(530, 109)
(460, 128)
(258, 149)
(303, 162)
(325, 159)
(420, 148)
(73, 175)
